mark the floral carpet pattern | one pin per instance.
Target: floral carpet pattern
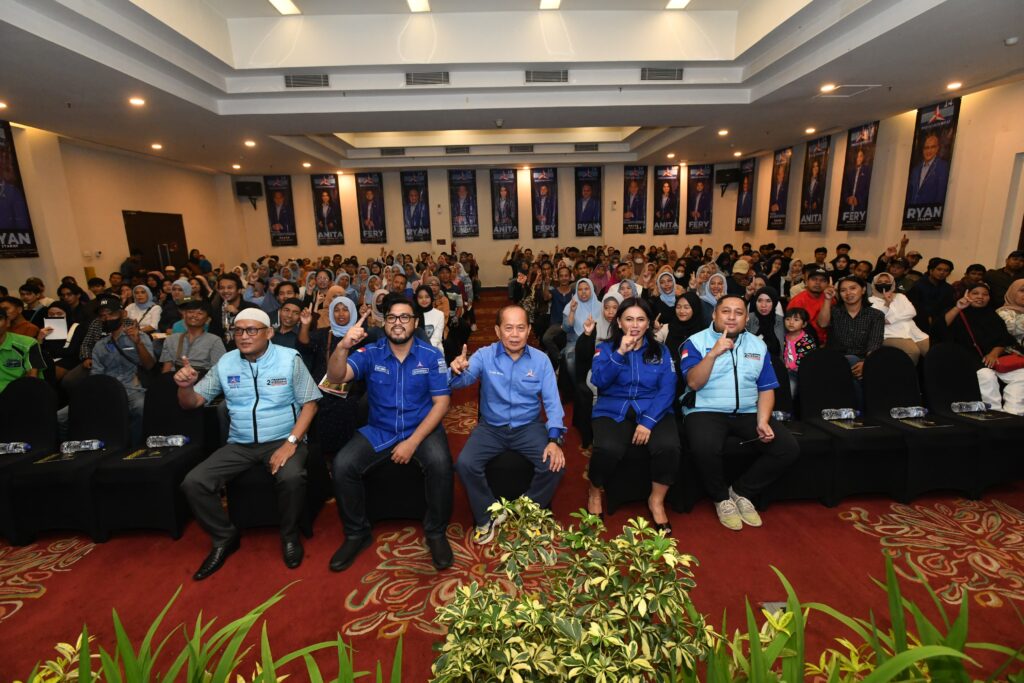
(461, 419)
(963, 545)
(23, 571)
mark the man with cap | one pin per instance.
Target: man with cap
(913, 257)
(271, 401)
(812, 298)
(202, 349)
(1000, 279)
(741, 277)
(899, 267)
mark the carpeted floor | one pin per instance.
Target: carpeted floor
(49, 589)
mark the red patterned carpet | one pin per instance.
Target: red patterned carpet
(49, 589)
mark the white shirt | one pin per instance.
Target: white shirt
(899, 318)
(145, 318)
(433, 325)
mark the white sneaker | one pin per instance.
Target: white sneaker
(746, 509)
(485, 534)
(728, 515)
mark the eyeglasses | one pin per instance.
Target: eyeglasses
(247, 331)
(405, 318)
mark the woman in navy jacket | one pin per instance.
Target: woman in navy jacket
(636, 385)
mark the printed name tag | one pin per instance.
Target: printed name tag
(381, 368)
(277, 382)
(752, 356)
(420, 371)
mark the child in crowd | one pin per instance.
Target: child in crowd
(799, 342)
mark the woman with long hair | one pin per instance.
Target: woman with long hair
(431, 320)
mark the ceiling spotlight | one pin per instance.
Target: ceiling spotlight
(828, 87)
(250, 143)
(340, 172)
(136, 101)
(955, 85)
(418, 5)
(723, 132)
(677, 4)
(306, 164)
(285, 6)
(157, 145)
(550, 4)
(3, 105)
(810, 130)
(237, 167)
(737, 154)
(671, 155)
(1011, 41)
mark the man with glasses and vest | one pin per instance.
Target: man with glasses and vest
(271, 400)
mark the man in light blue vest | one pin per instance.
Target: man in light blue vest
(271, 400)
(730, 385)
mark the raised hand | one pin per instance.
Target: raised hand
(460, 362)
(890, 252)
(722, 346)
(187, 375)
(355, 334)
(830, 292)
(589, 325)
(963, 302)
(628, 343)
(306, 316)
(43, 334)
(573, 304)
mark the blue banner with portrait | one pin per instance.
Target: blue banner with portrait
(588, 201)
(634, 200)
(280, 210)
(778, 193)
(326, 209)
(504, 204)
(17, 238)
(370, 200)
(812, 186)
(934, 135)
(462, 199)
(745, 195)
(666, 200)
(415, 206)
(860, 158)
(699, 196)
(544, 202)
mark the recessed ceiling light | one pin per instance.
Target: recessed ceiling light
(810, 130)
(550, 4)
(236, 166)
(671, 155)
(306, 164)
(737, 154)
(285, 6)
(157, 145)
(340, 172)
(723, 132)
(418, 5)
(136, 101)
(526, 168)
(954, 85)
(1011, 41)
(828, 87)
(250, 143)
(3, 105)
(677, 4)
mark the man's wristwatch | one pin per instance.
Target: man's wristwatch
(292, 439)
(559, 440)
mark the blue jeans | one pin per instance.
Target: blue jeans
(858, 388)
(488, 442)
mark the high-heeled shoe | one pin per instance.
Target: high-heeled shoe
(666, 527)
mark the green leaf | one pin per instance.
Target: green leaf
(896, 616)
(84, 659)
(396, 664)
(269, 671)
(758, 671)
(125, 652)
(904, 660)
(312, 669)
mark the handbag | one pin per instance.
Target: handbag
(1008, 362)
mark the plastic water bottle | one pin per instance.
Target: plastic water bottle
(781, 416)
(968, 406)
(838, 414)
(903, 412)
(15, 447)
(172, 441)
(69, 447)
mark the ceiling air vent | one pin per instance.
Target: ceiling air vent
(651, 74)
(427, 78)
(456, 150)
(520, 149)
(558, 76)
(586, 147)
(392, 151)
(307, 81)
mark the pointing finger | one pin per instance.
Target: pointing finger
(185, 362)
(465, 351)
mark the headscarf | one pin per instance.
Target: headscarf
(681, 330)
(705, 291)
(270, 303)
(670, 298)
(310, 282)
(632, 287)
(766, 323)
(148, 303)
(290, 271)
(1013, 290)
(186, 286)
(333, 292)
(603, 330)
(590, 308)
(370, 287)
(362, 276)
(599, 276)
(987, 329)
(375, 302)
(342, 330)
(350, 291)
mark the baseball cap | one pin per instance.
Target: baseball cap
(914, 252)
(818, 272)
(108, 303)
(254, 314)
(899, 261)
(742, 267)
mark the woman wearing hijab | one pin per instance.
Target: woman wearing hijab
(901, 331)
(144, 310)
(975, 325)
(687, 319)
(714, 290)
(333, 292)
(362, 276)
(765, 322)
(1012, 311)
(170, 314)
(583, 306)
(627, 289)
(663, 303)
(441, 302)
(61, 355)
(793, 281)
(344, 280)
(599, 276)
(373, 284)
(376, 319)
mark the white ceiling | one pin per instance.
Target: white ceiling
(70, 66)
(235, 9)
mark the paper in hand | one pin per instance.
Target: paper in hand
(59, 327)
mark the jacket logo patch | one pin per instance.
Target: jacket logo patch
(12, 363)
(530, 375)
(381, 368)
(277, 382)
(234, 381)
(752, 356)
(421, 371)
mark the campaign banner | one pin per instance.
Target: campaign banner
(853, 198)
(17, 238)
(634, 200)
(745, 195)
(812, 186)
(504, 204)
(588, 201)
(415, 206)
(370, 200)
(666, 200)
(280, 210)
(929, 165)
(779, 189)
(462, 199)
(698, 198)
(327, 209)
(544, 202)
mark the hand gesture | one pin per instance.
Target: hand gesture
(963, 302)
(320, 296)
(132, 330)
(830, 292)
(628, 343)
(890, 252)
(589, 325)
(657, 322)
(776, 266)
(722, 346)
(904, 241)
(521, 278)
(364, 310)
(573, 304)
(187, 375)
(641, 435)
(355, 334)
(43, 334)
(306, 316)
(889, 296)
(460, 362)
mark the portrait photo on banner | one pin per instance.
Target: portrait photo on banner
(326, 209)
(462, 199)
(853, 197)
(699, 197)
(280, 210)
(544, 196)
(812, 185)
(930, 163)
(17, 238)
(588, 201)
(745, 195)
(779, 192)
(415, 206)
(666, 200)
(634, 200)
(504, 204)
(370, 201)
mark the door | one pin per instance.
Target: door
(159, 236)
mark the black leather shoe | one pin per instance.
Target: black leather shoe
(440, 552)
(348, 552)
(292, 552)
(215, 560)
(666, 527)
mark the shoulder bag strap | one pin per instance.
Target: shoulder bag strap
(963, 319)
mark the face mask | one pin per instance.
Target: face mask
(882, 287)
(680, 273)
(111, 325)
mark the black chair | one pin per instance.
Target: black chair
(395, 491)
(52, 492)
(29, 409)
(871, 458)
(937, 453)
(631, 481)
(950, 377)
(142, 489)
(509, 475)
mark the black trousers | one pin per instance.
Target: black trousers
(612, 440)
(707, 432)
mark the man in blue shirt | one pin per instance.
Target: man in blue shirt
(407, 389)
(512, 377)
(730, 385)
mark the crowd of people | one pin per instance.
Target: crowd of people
(293, 346)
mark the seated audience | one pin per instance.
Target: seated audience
(61, 355)
(812, 299)
(230, 304)
(583, 305)
(799, 342)
(714, 290)
(554, 338)
(144, 310)
(431, 320)
(932, 296)
(20, 356)
(687, 319)
(764, 322)
(901, 330)
(1012, 311)
(16, 321)
(974, 274)
(999, 280)
(289, 316)
(74, 299)
(201, 348)
(856, 330)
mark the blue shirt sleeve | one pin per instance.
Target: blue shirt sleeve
(767, 380)
(549, 395)
(606, 366)
(439, 376)
(358, 362)
(661, 403)
(689, 356)
(471, 374)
